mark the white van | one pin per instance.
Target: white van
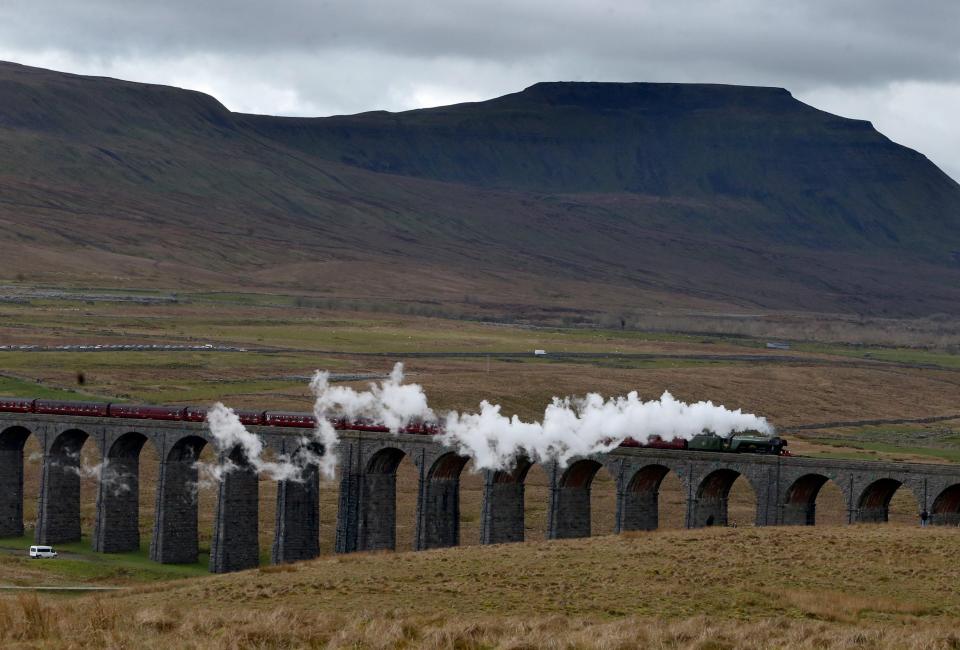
(42, 551)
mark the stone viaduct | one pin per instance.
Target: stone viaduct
(786, 489)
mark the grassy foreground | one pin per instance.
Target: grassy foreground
(879, 587)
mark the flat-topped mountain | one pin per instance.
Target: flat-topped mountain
(820, 179)
(584, 196)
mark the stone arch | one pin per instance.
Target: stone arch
(385, 461)
(873, 503)
(639, 507)
(515, 475)
(438, 512)
(117, 527)
(799, 506)
(68, 443)
(237, 456)
(447, 467)
(945, 510)
(378, 500)
(13, 438)
(175, 531)
(579, 475)
(569, 514)
(502, 511)
(186, 449)
(711, 499)
(58, 510)
(12, 441)
(127, 445)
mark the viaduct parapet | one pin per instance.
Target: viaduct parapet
(786, 489)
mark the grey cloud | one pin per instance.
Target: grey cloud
(308, 57)
(872, 41)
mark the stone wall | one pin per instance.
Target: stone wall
(117, 527)
(235, 545)
(11, 492)
(297, 532)
(175, 539)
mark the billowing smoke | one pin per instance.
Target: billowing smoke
(230, 434)
(115, 481)
(392, 403)
(108, 476)
(574, 427)
(570, 427)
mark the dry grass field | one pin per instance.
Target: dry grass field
(858, 587)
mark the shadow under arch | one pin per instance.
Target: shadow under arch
(175, 537)
(945, 510)
(639, 507)
(12, 441)
(68, 444)
(438, 514)
(569, 514)
(13, 438)
(799, 506)
(186, 449)
(711, 501)
(873, 503)
(58, 510)
(117, 527)
(377, 528)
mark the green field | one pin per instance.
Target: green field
(78, 565)
(14, 387)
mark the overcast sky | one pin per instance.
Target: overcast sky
(892, 62)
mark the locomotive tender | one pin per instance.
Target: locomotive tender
(740, 443)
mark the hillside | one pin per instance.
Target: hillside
(709, 588)
(816, 179)
(565, 197)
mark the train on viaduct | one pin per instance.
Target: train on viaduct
(786, 489)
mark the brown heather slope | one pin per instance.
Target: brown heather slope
(594, 198)
(712, 588)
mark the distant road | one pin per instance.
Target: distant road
(125, 347)
(850, 362)
(847, 362)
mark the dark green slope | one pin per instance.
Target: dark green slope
(820, 180)
(571, 196)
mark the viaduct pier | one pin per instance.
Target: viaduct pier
(786, 489)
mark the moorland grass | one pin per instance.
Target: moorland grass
(853, 587)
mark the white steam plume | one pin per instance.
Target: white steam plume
(229, 434)
(392, 404)
(570, 427)
(107, 476)
(574, 427)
